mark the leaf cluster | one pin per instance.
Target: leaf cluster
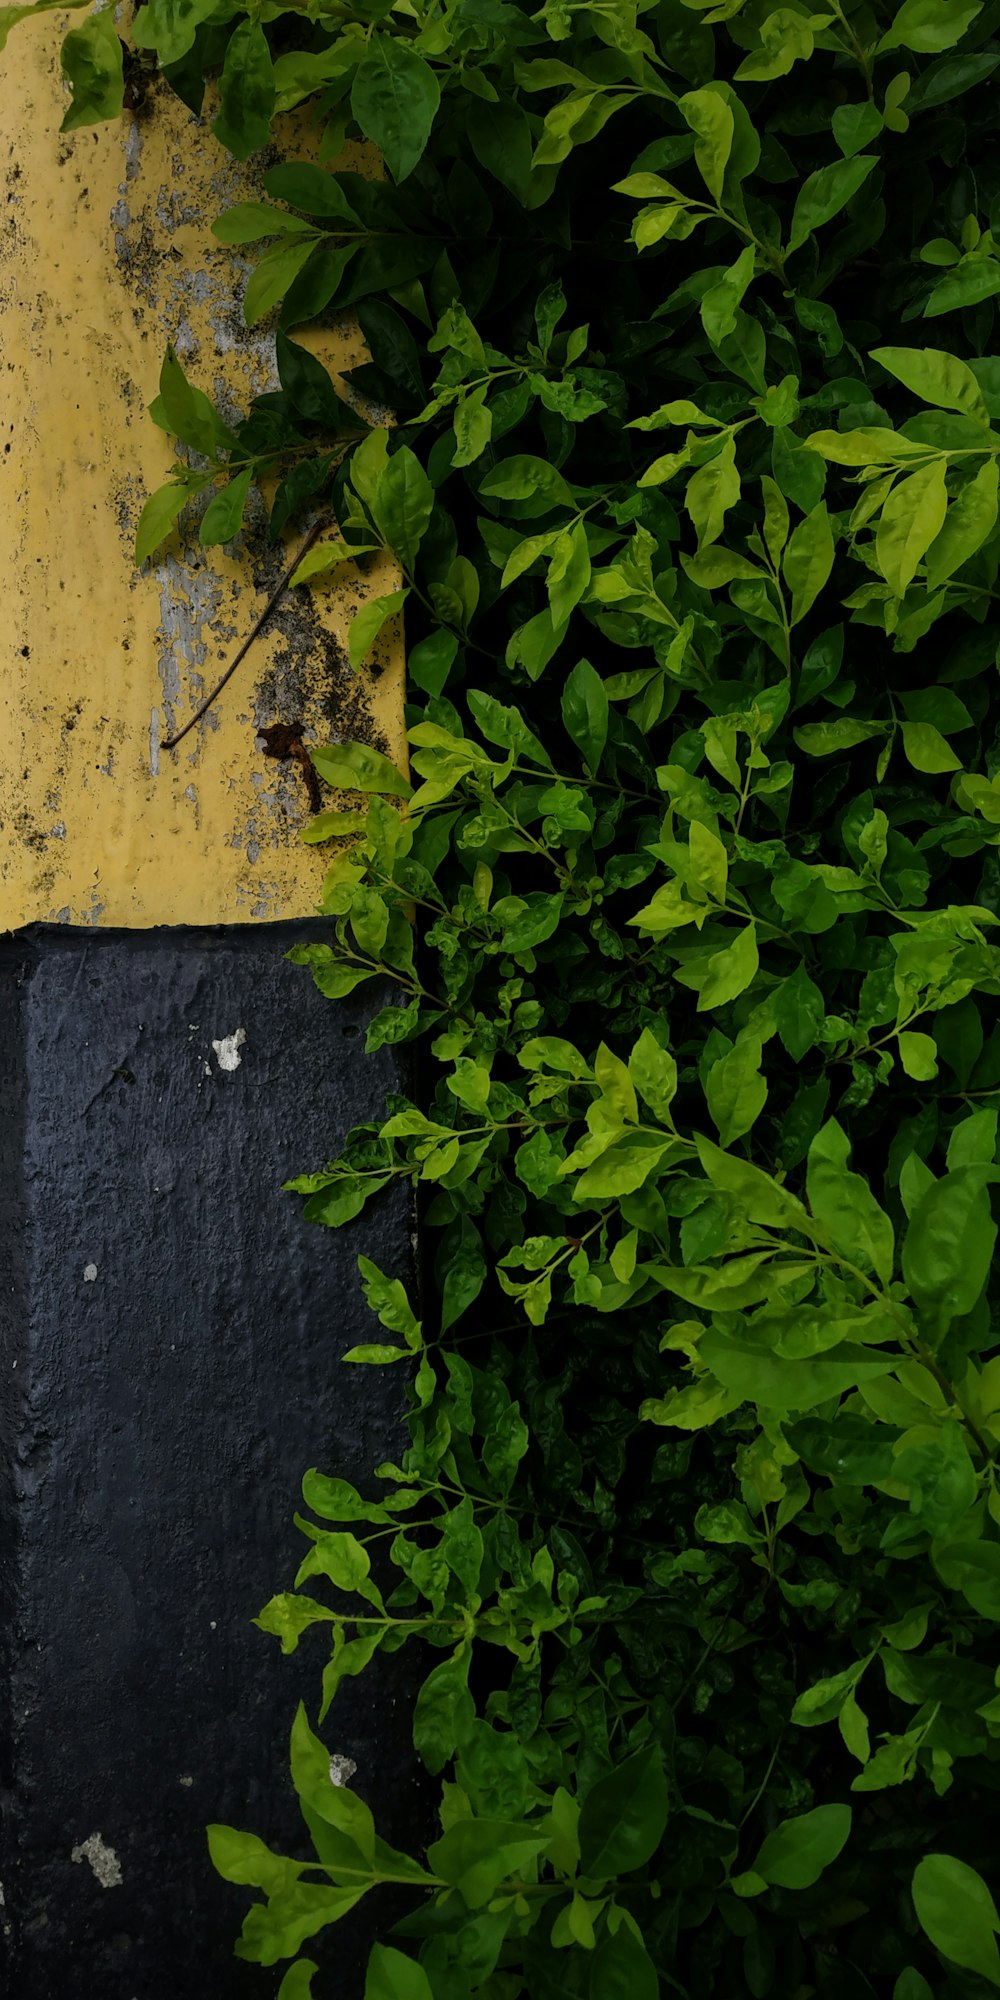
(690, 899)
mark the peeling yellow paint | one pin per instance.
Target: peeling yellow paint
(105, 256)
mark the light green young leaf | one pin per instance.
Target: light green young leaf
(808, 561)
(785, 39)
(91, 61)
(948, 1252)
(297, 1982)
(711, 120)
(393, 1975)
(927, 27)
(918, 1055)
(844, 1206)
(711, 491)
(357, 767)
(969, 522)
(926, 748)
(937, 378)
(367, 623)
(158, 516)
(911, 518)
(736, 1091)
(654, 1073)
(730, 971)
(972, 281)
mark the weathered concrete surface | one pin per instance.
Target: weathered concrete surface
(170, 1331)
(105, 255)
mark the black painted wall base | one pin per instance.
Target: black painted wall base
(169, 1340)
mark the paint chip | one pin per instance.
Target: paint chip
(227, 1049)
(89, 1273)
(102, 1858)
(342, 1770)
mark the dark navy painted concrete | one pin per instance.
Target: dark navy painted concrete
(155, 1420)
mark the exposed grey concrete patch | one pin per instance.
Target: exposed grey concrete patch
(227, 1049)
(342, 1769)
(102, 1858)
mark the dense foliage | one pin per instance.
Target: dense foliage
(697, 1526)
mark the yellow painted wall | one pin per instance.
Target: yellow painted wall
(107, 255)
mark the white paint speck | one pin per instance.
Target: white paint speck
(89, 1274)
(102, 1858)
(342, 1769)
(227, 1050)
(185, 1781)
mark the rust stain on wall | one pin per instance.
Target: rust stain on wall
(105, 255)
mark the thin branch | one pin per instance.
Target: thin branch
(171, 742)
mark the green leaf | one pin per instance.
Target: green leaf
(248, 221)
(158, 516)
(799, 1011)
(169, 26)
(368, 622)
(795, 1855)
(808, 560)
(911, 518)
(395, 98)
(711, 120)
(392, 1975)
(314, 190)
(711, 491)
(824, 193)
(297, 1982)
(334, 1804)
(941, 1478)
(918, 1055)
(926, 749)
(444, 1709)
(621, 1968)
(956, 1911)
(223, 517)
(844, 1206)
(274, 276)
(356, 767)
(241, 1857)
(729, 971)
(624, 1817)
(974, 1569)
(855, 126)
(927, 27)
(403, 504)
(969, 522)
(188, 412)
(736, 1091)
(948, 1252)
(475, 1855)
(937, 378)
(91, 60)
(246, 93)
(585, 713)
(972, 281)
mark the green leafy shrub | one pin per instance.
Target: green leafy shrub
(697, 1524)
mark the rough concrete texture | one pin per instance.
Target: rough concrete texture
(170, 1331)
(105, 256)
